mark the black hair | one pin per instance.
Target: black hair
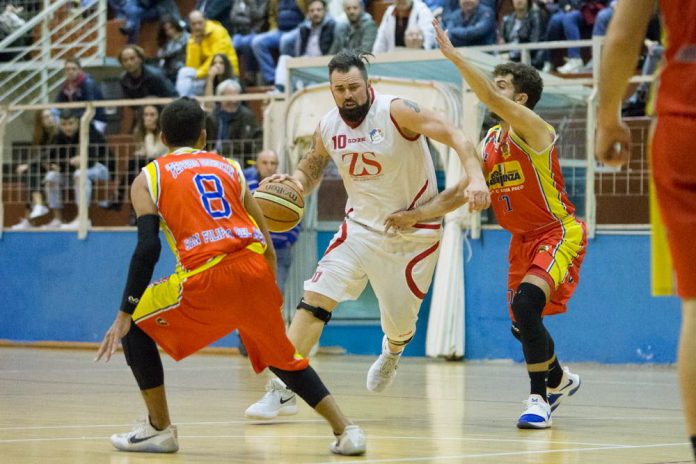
(525, 79)
(162, 38)
(182, 121)
(67, 113)
(349, 58)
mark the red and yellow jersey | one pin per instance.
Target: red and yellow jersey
(527, 187)
(200, 198)
(677, 82)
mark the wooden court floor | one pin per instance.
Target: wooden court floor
(56, 406)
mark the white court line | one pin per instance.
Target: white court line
(512, 453)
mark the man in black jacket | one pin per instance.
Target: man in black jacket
(232, 123)
(140, 80)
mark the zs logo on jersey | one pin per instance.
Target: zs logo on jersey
(362, 165)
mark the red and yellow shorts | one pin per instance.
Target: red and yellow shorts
(555, 255)
(674, 174)
(190, 310)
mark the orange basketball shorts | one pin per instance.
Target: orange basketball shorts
(674, 175)
(189, 310)
(554, 255)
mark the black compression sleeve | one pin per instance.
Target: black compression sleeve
(143, 261)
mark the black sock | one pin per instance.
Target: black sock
(555, 369)
(693, 444)
(538, 384)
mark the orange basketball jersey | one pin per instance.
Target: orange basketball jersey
(527, 187)
(200, 197)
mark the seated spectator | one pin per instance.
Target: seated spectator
(414, 38)
(636, 103)
(147, 137)
(137, 11)
(216, 10)
(524, 25)
(141, 80)
(79, 87)
(64, 159)
(400, 16)
(283, 18)
(232, 121)
(12, 18)
(248, 18)
(220, 70)
(32, 169)
(315, 36)
(172, 40)
(472, 24)
(208, 38)
(358, 31)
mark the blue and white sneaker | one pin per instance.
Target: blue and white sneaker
(537, 415)
(570, 383)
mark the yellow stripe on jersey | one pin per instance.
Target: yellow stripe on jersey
(151, 171)
(566, 251)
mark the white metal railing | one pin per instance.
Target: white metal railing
(67, 31)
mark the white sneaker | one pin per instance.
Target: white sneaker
(570, 383)
(572, 66)
(350, 443)
(22, 225)
(383, 371)
(54, 224)
(279, 400)
(145, 438)
(548, 67)
(39, 210)
(537, 415)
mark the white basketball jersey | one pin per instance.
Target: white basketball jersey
(382, 170)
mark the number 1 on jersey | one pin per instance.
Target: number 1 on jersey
(212, 195)
(508, 206)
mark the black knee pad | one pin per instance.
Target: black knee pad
(319, 313)
(305, 383)
(143, 358)
(527, 305)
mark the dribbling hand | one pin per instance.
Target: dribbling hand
(283, 177)
(113, 336)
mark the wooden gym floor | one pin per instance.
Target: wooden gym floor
(57, 407)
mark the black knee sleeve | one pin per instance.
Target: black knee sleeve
(527, 305)
(319, 313)
(305, 383)
(143, 358)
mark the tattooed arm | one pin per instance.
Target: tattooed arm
(413, 120)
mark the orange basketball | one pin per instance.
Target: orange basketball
(281, 203)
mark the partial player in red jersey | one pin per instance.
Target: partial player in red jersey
(225, 280)
(672, 157)
(529, 199)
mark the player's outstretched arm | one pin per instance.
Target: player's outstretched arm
(525, 122)
(255, 212)
(619, 60)
(416, 120)
(441, 204)
(142, 266)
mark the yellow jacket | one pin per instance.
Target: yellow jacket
(215, 40)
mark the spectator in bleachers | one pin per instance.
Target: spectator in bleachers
(220, 70)
(472, 24)
(64, 159)
(248, 18)
(315, 36)
(400, 16)
(208, 38)
(141, 80)
(524, 25)
(283, 18)
(231, 120)
(358, 31)
(79, 86)
(216, 10)
(137, 11)
(32, 169)
(12, 18)
(149, 145)
(413, 37)
(172, 39)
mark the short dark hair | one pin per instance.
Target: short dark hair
(67, 113)
(323, 2)
(525, 79)
(182, 121)
(137, 50)
(349, 58)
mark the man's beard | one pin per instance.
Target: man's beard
(355, 114)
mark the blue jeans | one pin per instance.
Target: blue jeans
(136, 14)
(564, 26)
(242, 45)
(602, 21)
(283, 262)
(263, 46)
(187, 84)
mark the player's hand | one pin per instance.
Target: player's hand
(281, 178)
(477, 195)
(443, 40)
(113, 336)
(613, 144)
(400, 220)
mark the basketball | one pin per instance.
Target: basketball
(281, 203)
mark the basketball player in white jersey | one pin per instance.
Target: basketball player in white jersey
(378, 143)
